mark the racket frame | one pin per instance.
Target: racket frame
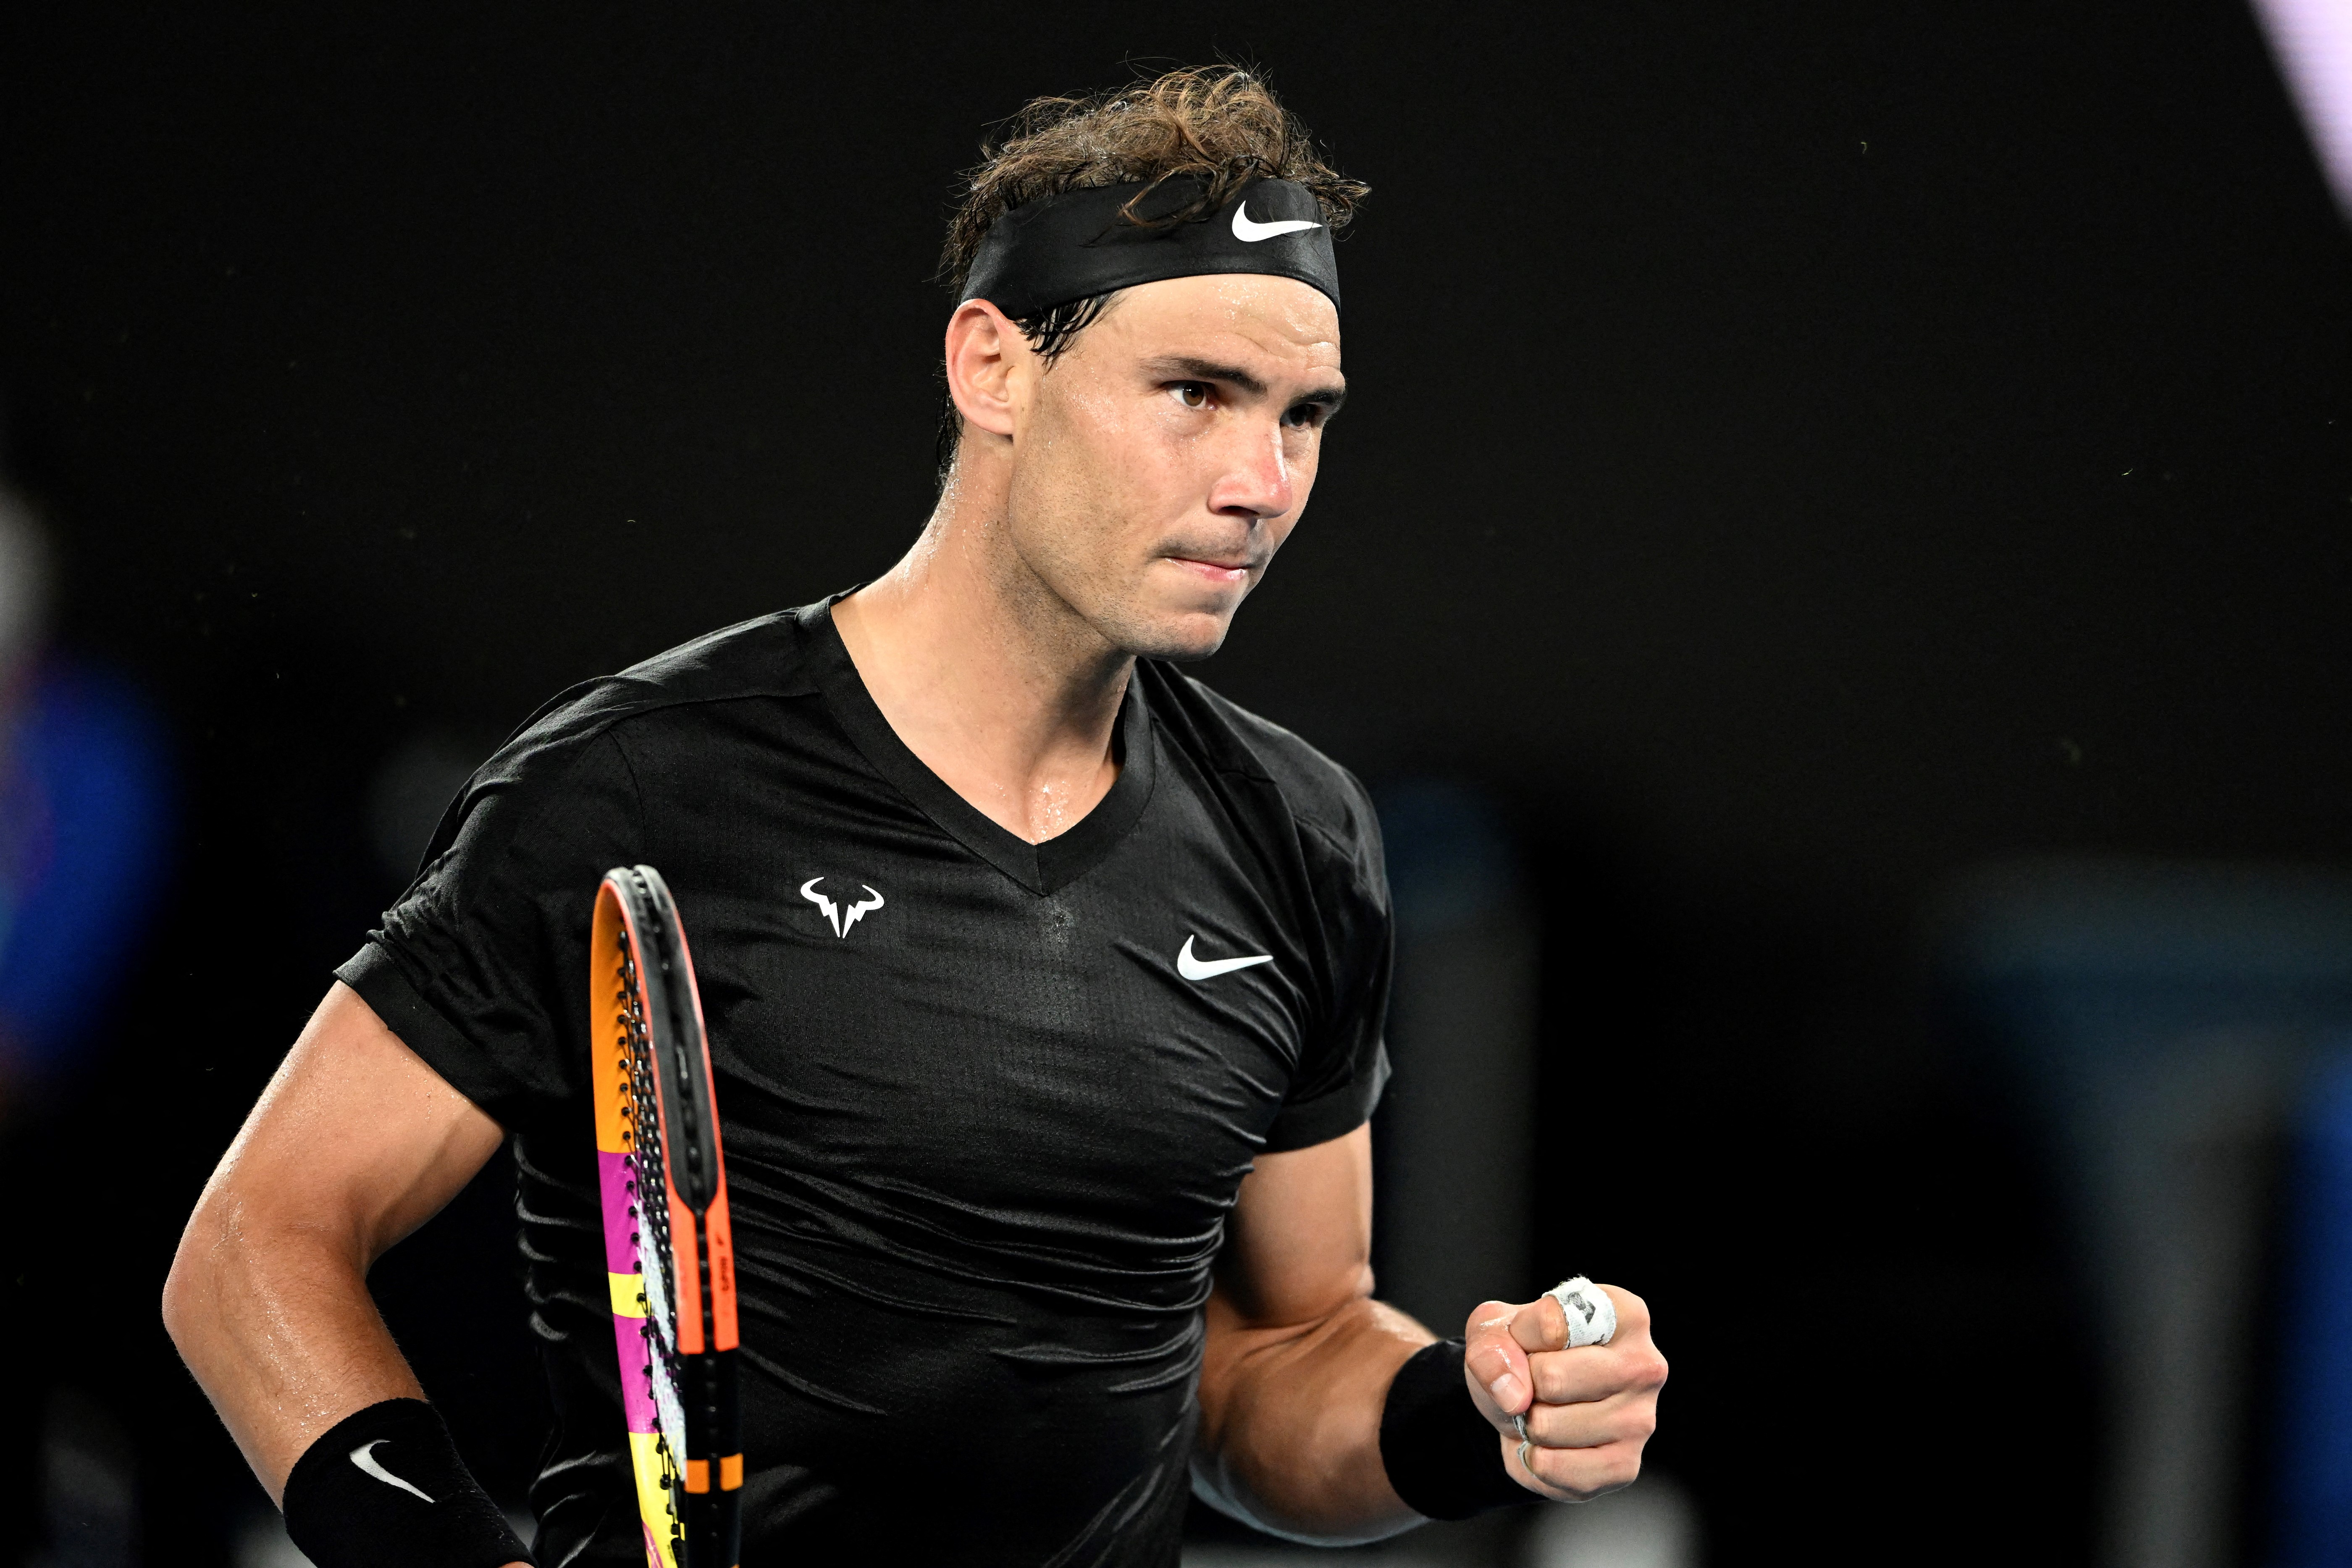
(642, 972)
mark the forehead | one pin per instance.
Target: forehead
(1225, 314)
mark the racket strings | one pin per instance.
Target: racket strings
(649, 1210)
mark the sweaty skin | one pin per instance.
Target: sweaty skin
(1119, 503)
(354, 1144)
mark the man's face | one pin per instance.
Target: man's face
(1162, 459)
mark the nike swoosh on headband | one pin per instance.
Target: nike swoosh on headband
(364, 1458)
(1058, 248)
(1192, 968)
(1249, 232)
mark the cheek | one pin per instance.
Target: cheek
(1132, 465)
(1093, 440)
(1074, 498)
(1064, 461)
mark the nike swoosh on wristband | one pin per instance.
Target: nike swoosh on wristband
(364, 1458)
(1250, 232)
(1192, 968)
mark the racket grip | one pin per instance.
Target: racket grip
(714, 1522)
(714, 1480)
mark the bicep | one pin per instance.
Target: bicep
(355, 1136)
(1298, 1243)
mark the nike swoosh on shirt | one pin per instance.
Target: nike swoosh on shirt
(1250, 232)
(364, 1458)
(1192, 968)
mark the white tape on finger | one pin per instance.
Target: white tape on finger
(1591, 1315)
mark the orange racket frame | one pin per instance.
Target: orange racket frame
(669, 1251)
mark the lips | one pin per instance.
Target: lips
(1240, 560)
(1212, 569)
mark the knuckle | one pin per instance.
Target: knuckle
(1486, 1321)
(1605, 1472)
(1616, 1477)
(1488, 1339)
(1583, 1483)
(1552, 1319)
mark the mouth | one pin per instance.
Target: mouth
(1217, 572)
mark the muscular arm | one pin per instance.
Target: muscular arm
(1299, 1356)
(354, 1144)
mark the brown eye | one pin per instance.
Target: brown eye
(1191, 393)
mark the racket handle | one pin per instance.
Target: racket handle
(714, 1481)
(714, 1521)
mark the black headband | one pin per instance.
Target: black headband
(1075, 244)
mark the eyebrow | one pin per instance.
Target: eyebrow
(1185, 367)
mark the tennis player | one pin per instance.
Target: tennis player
(1045, 988)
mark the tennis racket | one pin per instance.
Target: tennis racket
(666, 1243)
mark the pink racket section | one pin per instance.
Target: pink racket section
(621, 1262)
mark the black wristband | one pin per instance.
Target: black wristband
(384, 1489)
(1443, 1456)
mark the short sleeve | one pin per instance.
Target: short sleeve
(481, 966)
(1345, 1065)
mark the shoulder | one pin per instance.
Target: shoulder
(768, 657)
(1326, 799)
(573, 748)
(763, 658)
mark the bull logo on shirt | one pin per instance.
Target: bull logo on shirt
(841, 921)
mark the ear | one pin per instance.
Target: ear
(983, 349)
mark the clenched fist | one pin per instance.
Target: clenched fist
(1588, 1410)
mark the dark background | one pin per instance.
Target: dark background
(1795, 453)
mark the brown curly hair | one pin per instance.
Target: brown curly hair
(1220, 123)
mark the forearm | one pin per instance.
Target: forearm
(1291, 1420)
(278, 1326)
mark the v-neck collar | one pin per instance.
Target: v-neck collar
(1040, 868)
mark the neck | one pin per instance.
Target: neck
(990, 678)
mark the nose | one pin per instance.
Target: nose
(1257, 483)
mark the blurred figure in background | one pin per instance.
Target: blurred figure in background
(82, 840)
(82, 830)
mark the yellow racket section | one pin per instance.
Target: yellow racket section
(653, 1495)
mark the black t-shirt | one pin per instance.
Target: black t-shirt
(981, 1137)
